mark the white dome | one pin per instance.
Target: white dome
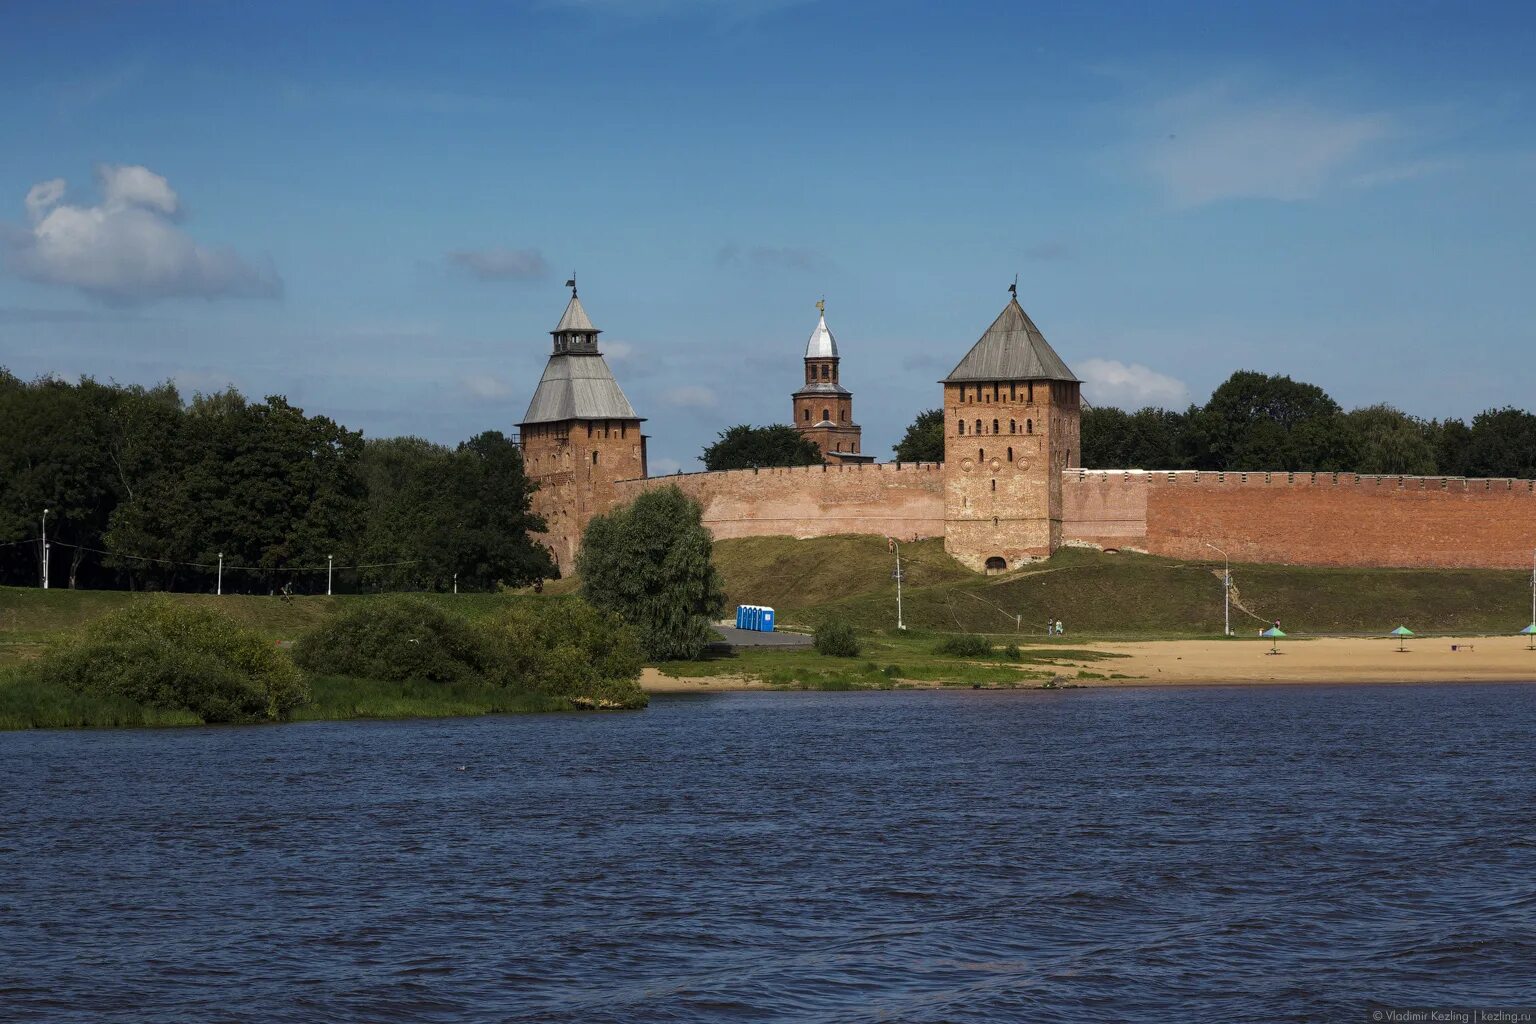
(822, 345)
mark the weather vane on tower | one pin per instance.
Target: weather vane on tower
(571, 284)
(1013, 289)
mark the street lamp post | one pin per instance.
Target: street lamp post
(896, 547)
(455, 583)
(45, 549)
(328, 560)
(220, 591)
(1226, 590)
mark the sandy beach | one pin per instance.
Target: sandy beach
(1217, 662)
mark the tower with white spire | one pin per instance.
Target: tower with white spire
(579, 436)
(823, 408)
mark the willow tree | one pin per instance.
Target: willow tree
(648, 562)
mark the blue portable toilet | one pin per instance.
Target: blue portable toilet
(754, 617)
(741, 616)
(767, 626)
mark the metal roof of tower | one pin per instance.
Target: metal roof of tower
(577, 384)
(1011, 349)
(821, 344)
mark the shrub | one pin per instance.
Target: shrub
(837, 640)
(964, 645)
(649, 563)
(163, 654)
(891, 671)
(1012, 652)
(393, 638)
(566, 649)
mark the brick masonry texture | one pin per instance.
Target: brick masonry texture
(1320, 519)
(902, 500)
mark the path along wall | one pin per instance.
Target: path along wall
(902, 500)
(1339, 519)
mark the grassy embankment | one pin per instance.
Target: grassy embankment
(1097, 596)
(32, 619)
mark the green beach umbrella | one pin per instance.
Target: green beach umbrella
(1530, 631)
(1402, 633)
(1274, 633)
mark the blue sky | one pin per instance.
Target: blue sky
(371, 207)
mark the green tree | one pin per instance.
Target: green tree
(1502, 443)
(924, 439)
(649, 563)
(1391, 442)
(1257, 421)
(1148, 439)
(435, 511)
(748, 447)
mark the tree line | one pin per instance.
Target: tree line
(1257, 422)
(146, 490)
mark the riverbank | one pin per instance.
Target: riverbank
(1438, 659)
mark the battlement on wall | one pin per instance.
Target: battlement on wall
(1353, 519)
(1209, 478)
(791, 471)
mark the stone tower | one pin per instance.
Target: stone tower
(1011, 427)
(579, 435)
(823, 408)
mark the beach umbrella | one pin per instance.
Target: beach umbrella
(1530, 631)
(1402, 633)
(1274, 633)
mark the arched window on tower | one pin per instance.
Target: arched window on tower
(1029, 426)
(1013, 392)
(981, 455)
(1010, 454)
(826, 372)
(594, 458)
(978, 426)
(962, 426)
(994, 427)
(1013, 426)
(807, 415)
(1031, 391)
(826, 414)
(996, 391)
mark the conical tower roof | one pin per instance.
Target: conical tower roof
(575, 318)
(821, 345)
(577, 384)
(1011, 349)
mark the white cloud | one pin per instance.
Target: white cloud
(690, 396)
(1130, 386)
(663, 467)
(1213, 146)
(485, 386)
(500, 264)
(127, 248)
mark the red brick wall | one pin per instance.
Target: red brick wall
(1306, 519)
(884, 499)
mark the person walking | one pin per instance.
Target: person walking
(1060, 629)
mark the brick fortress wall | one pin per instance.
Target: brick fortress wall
(884, 499)
(1324, 519)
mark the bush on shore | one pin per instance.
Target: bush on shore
(964, 645)
(565, 649)
(394, 637)
(558, 648)
(837, 639)
(161, 654)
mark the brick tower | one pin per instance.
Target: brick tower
(823, 407)
(1011, 426)
(579, 435)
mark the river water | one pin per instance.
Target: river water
(1200, 854)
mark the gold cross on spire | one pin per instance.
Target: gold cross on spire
(821, 305)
